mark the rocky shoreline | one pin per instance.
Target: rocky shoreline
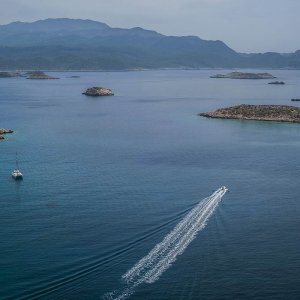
(277, 82)
(98, 91)
(275, 113)
(4, 131)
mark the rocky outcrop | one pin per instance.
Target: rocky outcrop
(278, 113)
(4, 131)
(98, 91)
(276, 82)
(9, 74)
(39, 75)
(241, 75)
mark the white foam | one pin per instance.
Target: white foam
(161, 257)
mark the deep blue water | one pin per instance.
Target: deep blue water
(107, 178)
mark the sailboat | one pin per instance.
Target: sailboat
(16, 173)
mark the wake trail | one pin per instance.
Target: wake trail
(161, 257)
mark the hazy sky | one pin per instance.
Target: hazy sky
(244, 25)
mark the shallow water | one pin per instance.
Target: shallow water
(105, 179)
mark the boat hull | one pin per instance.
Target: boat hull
(17, 175)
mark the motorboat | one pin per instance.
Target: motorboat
(224, 188)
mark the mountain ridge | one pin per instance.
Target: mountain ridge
(65, 44)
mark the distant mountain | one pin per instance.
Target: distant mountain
(67, 44)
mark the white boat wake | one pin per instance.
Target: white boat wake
(161, 257)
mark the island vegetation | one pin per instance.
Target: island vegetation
(295, 99)
(5, 74)
(278, 113)
(39, 75)
(242, 75)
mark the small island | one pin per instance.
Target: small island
(39, 75)
(98, 91)
(296, 99)
(4, 74)
(4, 131)
(277, 113)
(277, 82)
(241, 75)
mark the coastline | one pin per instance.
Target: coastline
(146, 69)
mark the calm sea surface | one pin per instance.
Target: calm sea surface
(107, 178)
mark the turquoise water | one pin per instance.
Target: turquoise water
(105, 179)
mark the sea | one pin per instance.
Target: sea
(107, 179)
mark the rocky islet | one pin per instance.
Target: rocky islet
(276, 113)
